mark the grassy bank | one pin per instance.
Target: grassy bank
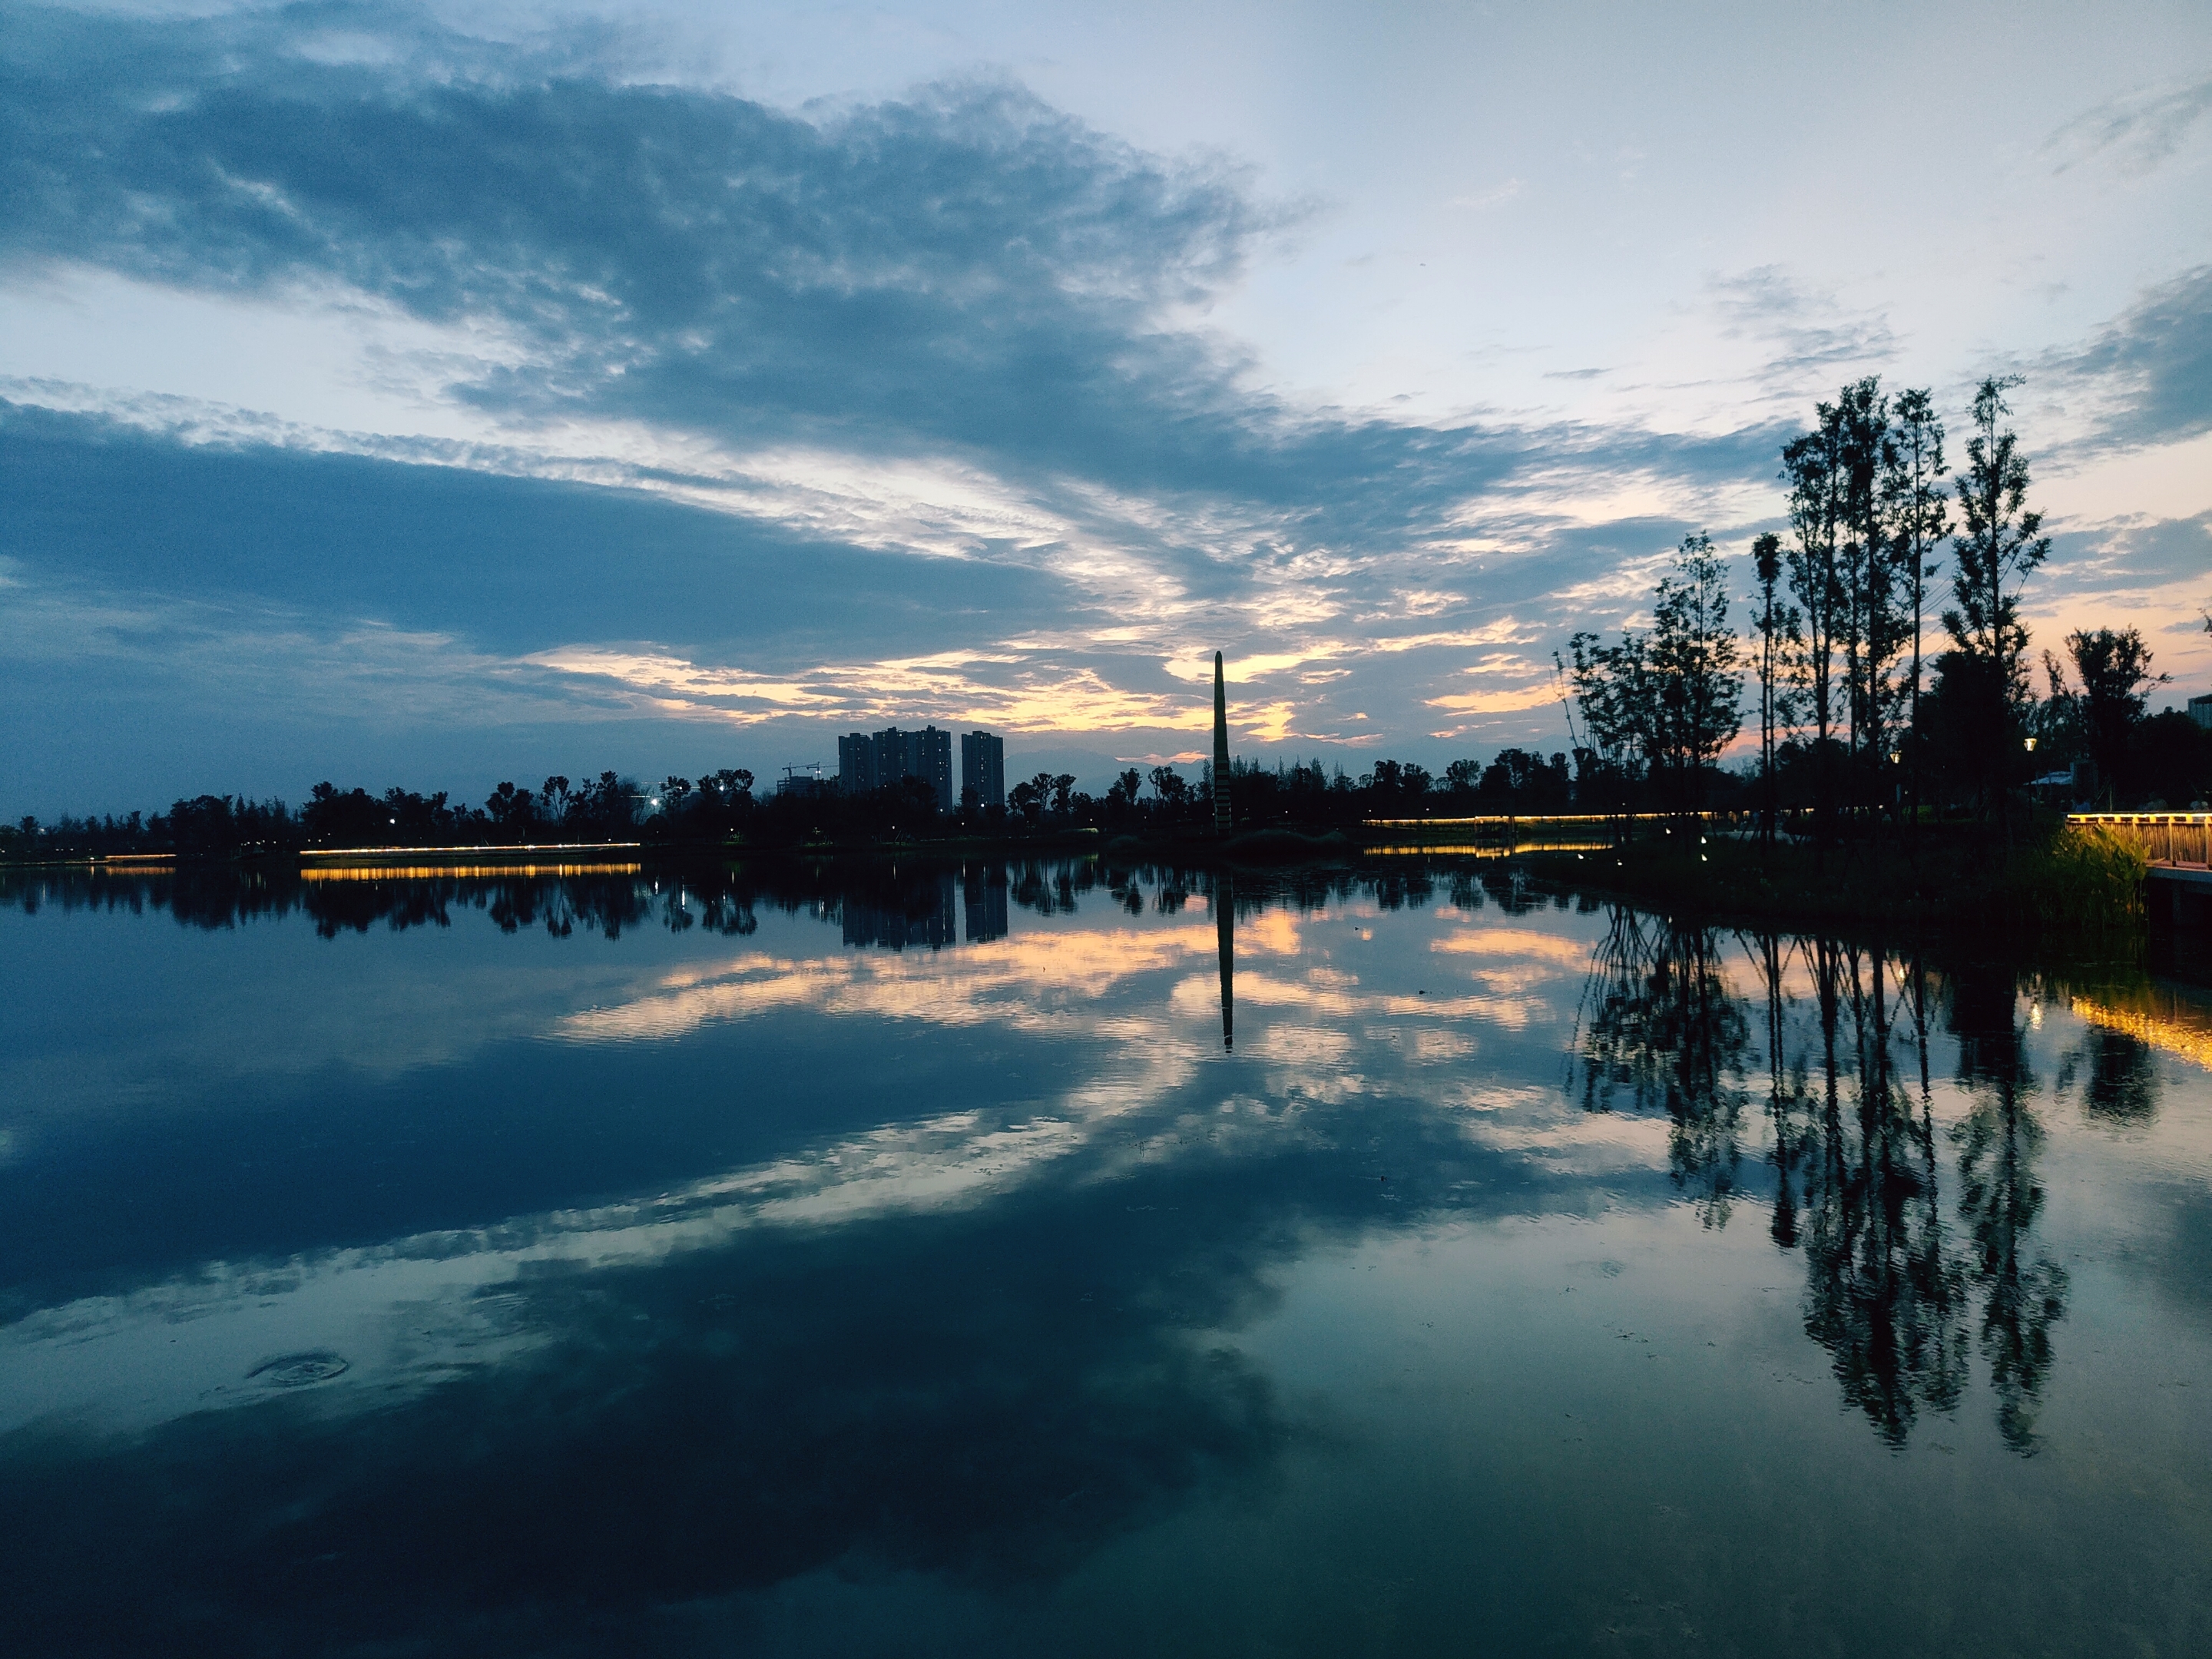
(2053, 882)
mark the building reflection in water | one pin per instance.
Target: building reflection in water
(983, 893)
(917, 913)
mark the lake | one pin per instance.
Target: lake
(1068, 1258)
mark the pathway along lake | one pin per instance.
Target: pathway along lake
(926, 1260)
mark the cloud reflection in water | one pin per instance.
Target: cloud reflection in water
(980, 1327)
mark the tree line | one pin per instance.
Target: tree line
(1856, 725)
(722, 807)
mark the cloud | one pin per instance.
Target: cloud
(903, 410)
(946, 687)
(1815, 338)
(966, 272)
(968, 268)
(2147, 375)
(1496, 196)
(2138, 131)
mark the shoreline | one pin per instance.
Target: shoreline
(2077, 891)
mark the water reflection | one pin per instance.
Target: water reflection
(710, 1233)
(2118, 1075)
(2024, 1291)
(1854, 1146)
(1884, 1292)
(1662, 1029)
(1224, 925)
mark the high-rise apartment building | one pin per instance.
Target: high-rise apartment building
(867, 762)
(983, 767)
(856, 763)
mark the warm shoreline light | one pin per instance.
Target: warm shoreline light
(418, 872)
(1531, 817)
(2190, 1041)
(470, 851)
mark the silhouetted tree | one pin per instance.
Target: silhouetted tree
(1920, 519)
(512, 809)
(1817, 470)
(1778, 631)
(1613, 688)
(2001, 542)
(1692, 663)
(1665, 704)
(1873, 633)
(2114, 667)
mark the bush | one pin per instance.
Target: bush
(2086, 877)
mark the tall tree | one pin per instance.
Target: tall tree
(1920, 519)
(2114, 667)
(1778, 632)
(1865, 569)
(1613, 688)
(1693, 656)
(1664, 705)
(1999, 546)
(1813, 464)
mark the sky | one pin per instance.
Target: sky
(439, 394)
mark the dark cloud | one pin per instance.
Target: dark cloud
(2151, 368)
(2133, 557)
(517, 564)
(967, 270)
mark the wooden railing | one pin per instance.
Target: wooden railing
(2180, 840)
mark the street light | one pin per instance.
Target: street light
(2031, 745)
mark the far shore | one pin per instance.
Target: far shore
(2078, 888)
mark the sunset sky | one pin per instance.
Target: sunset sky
(446, 393)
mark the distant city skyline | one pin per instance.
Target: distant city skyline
(440, 394)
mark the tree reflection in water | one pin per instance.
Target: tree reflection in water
(1884, 1294)
(2023, 1297)
(1893, 1279)
(1849, 1108)
(1662, 1027)
(2121, 1087)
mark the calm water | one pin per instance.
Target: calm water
(1060, 1260)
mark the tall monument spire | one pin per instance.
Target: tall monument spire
(1220, 750)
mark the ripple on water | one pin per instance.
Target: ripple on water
(297, 1371)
